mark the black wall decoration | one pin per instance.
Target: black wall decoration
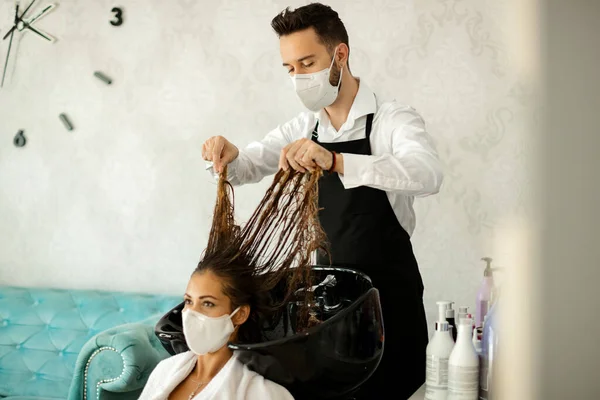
(118, 19)
(24, 21)
(20, 139)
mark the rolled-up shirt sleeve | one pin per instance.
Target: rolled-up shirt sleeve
(261, 158)
(412, 167)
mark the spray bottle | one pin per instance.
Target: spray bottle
(438, 354)
(484, 293)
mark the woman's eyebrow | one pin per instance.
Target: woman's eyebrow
(201, 297)
(207, 297)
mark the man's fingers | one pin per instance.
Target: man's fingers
(302, 150)
(206, 151)
(291, 155)
(308, 160)
(294, 164)
(283, 164)
(217, 150)
(299, 155)
(305, 155)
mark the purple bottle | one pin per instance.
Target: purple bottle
(484, 293)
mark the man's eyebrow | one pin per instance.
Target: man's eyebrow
(300, 59)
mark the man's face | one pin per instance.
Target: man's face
(303, 53)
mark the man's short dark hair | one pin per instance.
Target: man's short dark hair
(323, 19)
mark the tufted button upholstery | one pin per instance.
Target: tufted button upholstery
(43, 330)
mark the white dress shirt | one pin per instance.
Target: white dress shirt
(404, 162)
(233, 382)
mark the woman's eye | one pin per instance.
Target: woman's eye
(308, 65)
(290, 71)
(208, 304)
(187, 302)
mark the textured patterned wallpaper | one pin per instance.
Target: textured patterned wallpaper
(123, 201)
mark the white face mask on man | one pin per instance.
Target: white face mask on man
(314, 90)
(205, 334)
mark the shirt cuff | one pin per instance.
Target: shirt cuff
(231, 170)
(354, 169)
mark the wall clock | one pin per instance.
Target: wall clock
(24, 21)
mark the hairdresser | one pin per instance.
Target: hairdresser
(377, 156)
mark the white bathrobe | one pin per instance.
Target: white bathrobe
(233, 382)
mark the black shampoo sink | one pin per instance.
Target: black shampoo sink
(329, 360)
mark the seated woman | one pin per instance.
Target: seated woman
(227, 295)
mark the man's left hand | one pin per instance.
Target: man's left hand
(303, 155)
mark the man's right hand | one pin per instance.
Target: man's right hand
(220, 151)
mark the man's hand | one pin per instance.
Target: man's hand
(220, 151)
(304, 154)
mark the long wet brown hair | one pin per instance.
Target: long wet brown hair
(272, 248)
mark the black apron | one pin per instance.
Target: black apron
(364, 234)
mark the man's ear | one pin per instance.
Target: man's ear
(241, 316)
(342, 54)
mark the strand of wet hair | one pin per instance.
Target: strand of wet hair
(278, 239)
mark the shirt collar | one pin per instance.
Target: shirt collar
(364, 104)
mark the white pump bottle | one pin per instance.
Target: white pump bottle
(438, 354)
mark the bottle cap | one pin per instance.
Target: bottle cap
(488, 268)
(442, 307)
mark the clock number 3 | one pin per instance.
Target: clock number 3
(118, 16)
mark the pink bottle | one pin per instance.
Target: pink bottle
(484, 293)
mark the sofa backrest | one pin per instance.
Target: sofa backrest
(43, 330)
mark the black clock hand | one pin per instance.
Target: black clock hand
(25, 12)
(42, 35)
(41, 14)
(15, 23)
(7, 56)
(9, 32)
(18, 18)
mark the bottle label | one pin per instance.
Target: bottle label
(436, 382)
(463, 383)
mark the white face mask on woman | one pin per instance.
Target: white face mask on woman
(205, 334)
(314, 90)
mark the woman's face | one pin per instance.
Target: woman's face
(204, 294)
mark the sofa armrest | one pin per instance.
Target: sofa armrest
(116, 363)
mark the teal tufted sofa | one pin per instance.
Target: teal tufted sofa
(78, 344)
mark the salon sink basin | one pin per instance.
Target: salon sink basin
(329, 360)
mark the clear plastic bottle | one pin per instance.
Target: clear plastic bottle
(489, 351)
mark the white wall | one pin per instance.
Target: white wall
(123, 201)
